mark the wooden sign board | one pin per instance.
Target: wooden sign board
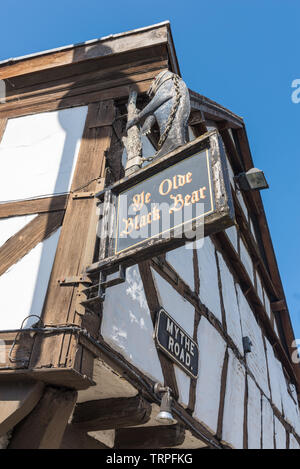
(173, 200)
(176, 343)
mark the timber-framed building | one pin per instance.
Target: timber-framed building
(89, 372)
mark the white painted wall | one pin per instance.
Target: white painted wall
(280, 435)
(180, 309)
(267, 304)
(38, 153)
(209, 287)
(267, 425)
(242, 203)
(181, 260)
(10, 226)
(127, 325)
(230, 304)
(23, 287)
(234, 403)
(256, 359)
(259, 287)
(246, 260)
(233, 236)
(254, 415)
(293, 442)
(211, 358)
(274, 371)
(183, 383)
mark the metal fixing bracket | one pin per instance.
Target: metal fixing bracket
(75, 280)
(83, 195)
(104, 283)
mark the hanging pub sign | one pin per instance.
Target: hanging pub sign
(177, 198)
(176, 343)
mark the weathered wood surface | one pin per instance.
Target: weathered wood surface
(75, 250)
(111, 413)
(107, 46)
(20, 355)
(44, 427)
(26, 239)
(3, 122)
(72, 101)
(28, 207)
(164, 436)
(76, 439)
(86, 81)
(78, 91)
(17, 400)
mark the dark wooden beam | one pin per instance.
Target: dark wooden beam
(44, 427)
(76, 439)
(17, 400)
(154, 305)
(107, 414)
(131, 41)
(164, 436)
(28, 207)
(279, 305)
(28, 237)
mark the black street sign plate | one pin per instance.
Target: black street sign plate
(176, 343)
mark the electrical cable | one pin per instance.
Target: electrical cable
(101, 346)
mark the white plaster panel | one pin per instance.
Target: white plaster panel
(242, 203)
(267, 425)
(252, 229)
(179, 308)
(191, 134)
(232, 235)
(181, 260)
(230, 172)
(183, 383)
(276, 328)
(211, 358)
(10, 226)
(259, 288)
(230, 304)
(30, 278)
(254, 415)
(38, 153)
(267, 304)
(280, 435)
(274, 370)
(293, 442)
(246, 260)
(233, 420)
(127, 324)
(256, 359)
(290, 409)
(208, 273)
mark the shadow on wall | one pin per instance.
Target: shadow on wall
(73, 129)
(72, 121)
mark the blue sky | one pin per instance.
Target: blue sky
(242, 53)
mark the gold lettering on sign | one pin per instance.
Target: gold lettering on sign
(138, 222)
(167, 189)
(180, 202)
(177, 181)
(140, 199)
